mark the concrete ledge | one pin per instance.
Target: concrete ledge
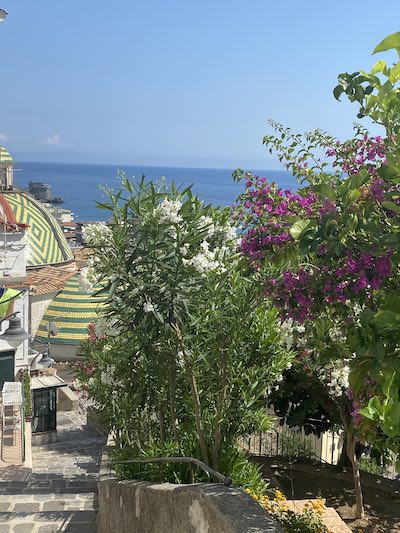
(138, 507)
(67, 400)
(96, 420)
(46, 437)
(28, 445)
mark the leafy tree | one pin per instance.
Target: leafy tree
(189, 349)
(335, 246)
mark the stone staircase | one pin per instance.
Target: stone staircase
(60, 494)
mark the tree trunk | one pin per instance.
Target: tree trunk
(172, 393)
(351, 452)
(195, 398)
(351, 443)
(162, 425)
(217, 419)
(197, 412)
(344, 461)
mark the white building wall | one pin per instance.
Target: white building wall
(13, 267)
(20, 304)
(12, 254)
(38, 307)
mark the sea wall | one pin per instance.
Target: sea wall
(138, 507)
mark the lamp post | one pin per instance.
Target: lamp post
(15, 333)
(3, 14)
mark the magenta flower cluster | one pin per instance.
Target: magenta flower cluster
(359, 153)
(266, 208)
(361, 400)
(299, 295)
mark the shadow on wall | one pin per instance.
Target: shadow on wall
(134, 507)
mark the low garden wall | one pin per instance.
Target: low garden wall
(138, 507)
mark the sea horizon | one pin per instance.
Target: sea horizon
(79, 184)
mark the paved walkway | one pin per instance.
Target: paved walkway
(60, 493)
(10, 437)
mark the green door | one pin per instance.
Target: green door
(6, 367)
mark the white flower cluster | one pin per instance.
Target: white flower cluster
(105, 326)
(148, 307)
(107, 376)
(97, 234)
(291, 333)
(336, 377)
(336, 334)
(230, 233)
(206, 260)
(89, 275)
(207, 222)
(168, 211)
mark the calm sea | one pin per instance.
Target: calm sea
(79, 184)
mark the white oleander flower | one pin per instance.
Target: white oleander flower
(148, 307)
(97, 234)
(336, 334)
(106, 379)
(168, 210)
(207, 222)
(185, 249)
(336, 377)
(230, 233)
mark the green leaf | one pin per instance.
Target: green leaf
(378, 351)
(373, 409)
(299, 228)
(326, 190)
(391, 206)
(337, 91)
(379, 66)
(389, 43)
(359, 179)
(357, 375)
(392, 303)
(386, 321)
(395, 73)
(387, 385)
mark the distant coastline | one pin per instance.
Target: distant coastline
(78, 183)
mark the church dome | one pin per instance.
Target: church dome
(47, 244)
(72, 310)
(5, 157)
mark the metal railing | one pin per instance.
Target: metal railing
(284, 442)
(227, 481)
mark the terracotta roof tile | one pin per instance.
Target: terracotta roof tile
(48, 279)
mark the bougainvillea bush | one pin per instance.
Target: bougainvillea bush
(335, 247)
(185, 353)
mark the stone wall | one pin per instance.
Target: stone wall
(138, 507)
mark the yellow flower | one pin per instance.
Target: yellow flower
(279, 496)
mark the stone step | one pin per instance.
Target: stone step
(74, 521)
(35, 503)
(47, 486)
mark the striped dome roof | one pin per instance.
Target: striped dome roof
(47, 243)
(71, 311)
(5, 157)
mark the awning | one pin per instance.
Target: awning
(47, 382)
(12, 393)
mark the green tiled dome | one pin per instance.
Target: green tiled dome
(71, 311)
(47, 243)
(5, 158)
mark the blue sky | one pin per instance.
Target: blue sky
(178, 82)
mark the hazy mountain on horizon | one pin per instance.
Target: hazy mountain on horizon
(74, 156)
